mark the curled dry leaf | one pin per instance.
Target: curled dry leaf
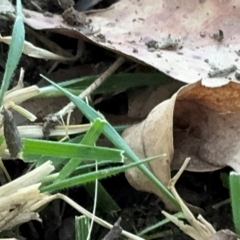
(197, 122)
(187, 40)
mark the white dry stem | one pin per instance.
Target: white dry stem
(28, 179)
(197, 229)
(36, 52)
(34, 131)
(22, 218)
(96, 219)
(51, 45)
(21, 110)
(19, 198)
(20, 95)
(8, 239)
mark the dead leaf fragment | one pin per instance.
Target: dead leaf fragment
(131, 24)
(197, 122)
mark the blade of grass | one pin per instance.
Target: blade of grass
(82, 224)
(89, 139)
(115, 138)
(92, 176)
(94, 132)
(70, 150)
(56, 161)
(234, 180)
(79, 170)
(159, 224)
(15, 51)
(115, 83)
(87, 167)
(105, 201)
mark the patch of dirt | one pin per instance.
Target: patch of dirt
(138, 209)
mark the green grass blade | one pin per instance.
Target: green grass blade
(87, 167)
(56, 161)
(15, 51)
(113, 136)
(82, 225)
(105, 202)
(92, 176)
(234, 180)
(115, 83)
(160, 224)
(70, 150)
(94, 132)
(89, 139)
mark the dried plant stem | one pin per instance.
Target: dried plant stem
(90, 89)
(199, 228)
(80, 209)
(90, 215)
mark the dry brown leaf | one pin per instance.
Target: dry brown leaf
(207, 127)
(130, 25)
(141, 101)
(54, 23)
(197, 122)
(151, 137)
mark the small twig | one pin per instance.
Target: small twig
(90, 89)
(220, 204)
(83, 211)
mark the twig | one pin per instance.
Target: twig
(218, 205)
(89, 90)
(83, 211)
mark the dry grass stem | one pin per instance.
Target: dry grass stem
(199, 228)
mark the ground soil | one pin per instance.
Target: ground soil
(138, 209)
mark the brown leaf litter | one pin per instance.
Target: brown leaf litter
(197, 122)
(205, 38)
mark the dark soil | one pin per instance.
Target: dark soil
(138, 209)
